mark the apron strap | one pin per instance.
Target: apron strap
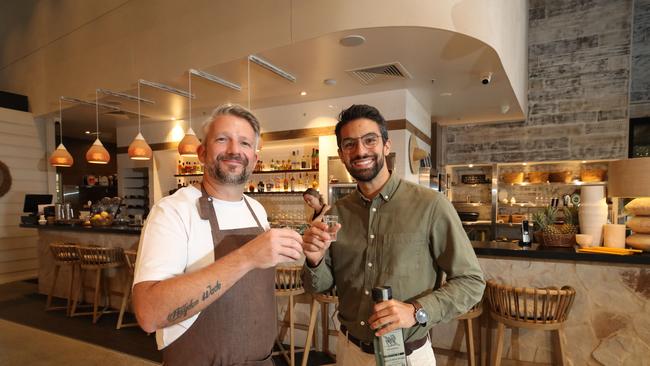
(207, 212)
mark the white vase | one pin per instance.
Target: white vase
(592, 212)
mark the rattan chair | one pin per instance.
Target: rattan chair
(288, 283)
(531, 308)
(129, 259)
(98, 259)
(321, 301)
(64, 254)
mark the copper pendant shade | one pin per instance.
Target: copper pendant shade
(61, 157)
(139, 149)
(97, 154)
(189, 144)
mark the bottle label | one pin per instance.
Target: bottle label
(389, 349)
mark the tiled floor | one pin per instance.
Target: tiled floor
(31, 336)
(22, 345)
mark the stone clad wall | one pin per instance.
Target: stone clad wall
(640, 88)
(579, 71)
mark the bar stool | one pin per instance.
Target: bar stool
(531, 308)
(64, 254)
(129, 259)
(98, 259)
(324, 300)
(288, 283)
(468, 320)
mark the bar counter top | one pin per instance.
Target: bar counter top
(115, 229)
(508, 249)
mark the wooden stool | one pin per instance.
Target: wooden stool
(98, 259)
(530, 308)
(468, 320)
(64, 255)
(129, 259)
(324, 299)
(288, 283)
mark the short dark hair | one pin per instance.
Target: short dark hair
(357, 111)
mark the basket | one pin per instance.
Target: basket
(560, 177)
(538, 177)
(515, 177)
(503, 218)
(559, 240)
(517, 218)
(592, 175)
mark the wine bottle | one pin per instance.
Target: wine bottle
(292, 183)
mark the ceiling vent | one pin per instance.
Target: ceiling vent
(121, 114)
(379, 73)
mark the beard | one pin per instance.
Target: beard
(365, 174)
(225, 176)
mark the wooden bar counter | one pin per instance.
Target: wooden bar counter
(125, 237)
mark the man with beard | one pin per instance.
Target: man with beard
(204, 277)
(391, 233)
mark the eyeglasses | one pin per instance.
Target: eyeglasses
(369, 141)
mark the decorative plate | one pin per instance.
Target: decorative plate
(5, 179)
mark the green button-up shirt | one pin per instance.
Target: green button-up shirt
(406, 238)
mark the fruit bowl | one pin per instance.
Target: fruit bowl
(102, 219)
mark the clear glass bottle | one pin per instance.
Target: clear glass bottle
(389, 348)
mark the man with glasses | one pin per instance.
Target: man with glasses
(391, 233)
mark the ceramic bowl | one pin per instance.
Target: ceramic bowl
(584, 240)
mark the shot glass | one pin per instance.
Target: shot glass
(331, 221)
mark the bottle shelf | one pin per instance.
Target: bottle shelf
(574, 183)
(257, 172)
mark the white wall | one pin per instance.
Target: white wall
(22, 144)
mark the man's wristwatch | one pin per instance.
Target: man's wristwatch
(421, 315)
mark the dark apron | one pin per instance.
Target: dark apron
(240, 327)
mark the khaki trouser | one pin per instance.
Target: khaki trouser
(348, 354)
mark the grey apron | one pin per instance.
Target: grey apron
(240, 327)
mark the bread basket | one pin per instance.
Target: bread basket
(513, 177)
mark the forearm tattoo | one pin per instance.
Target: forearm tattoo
(181, 311)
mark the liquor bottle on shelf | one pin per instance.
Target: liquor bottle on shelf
(180, 184)
(260, 186)
(269, 185)
(292, 183)
(303, 162)
(313, 159)
(285, 183)
(301, 184)
(316, 161)
(314, 183)
(251, 186)
(180, 167)
(277, 184)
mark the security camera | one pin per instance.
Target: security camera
(486, 78)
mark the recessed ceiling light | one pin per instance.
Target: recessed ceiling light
(87, 132)
(525, 164)
(173, 118)
(352, 40)
(303, 93)
(584, 161)
(329, 81)
(330, 106)
(471, 165)
(446, 94)
(505, 108)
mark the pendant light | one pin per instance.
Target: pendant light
(61, 157)
(190, 143)
(139, 149)
(97, 154)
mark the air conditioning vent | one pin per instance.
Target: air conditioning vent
(378, 73)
